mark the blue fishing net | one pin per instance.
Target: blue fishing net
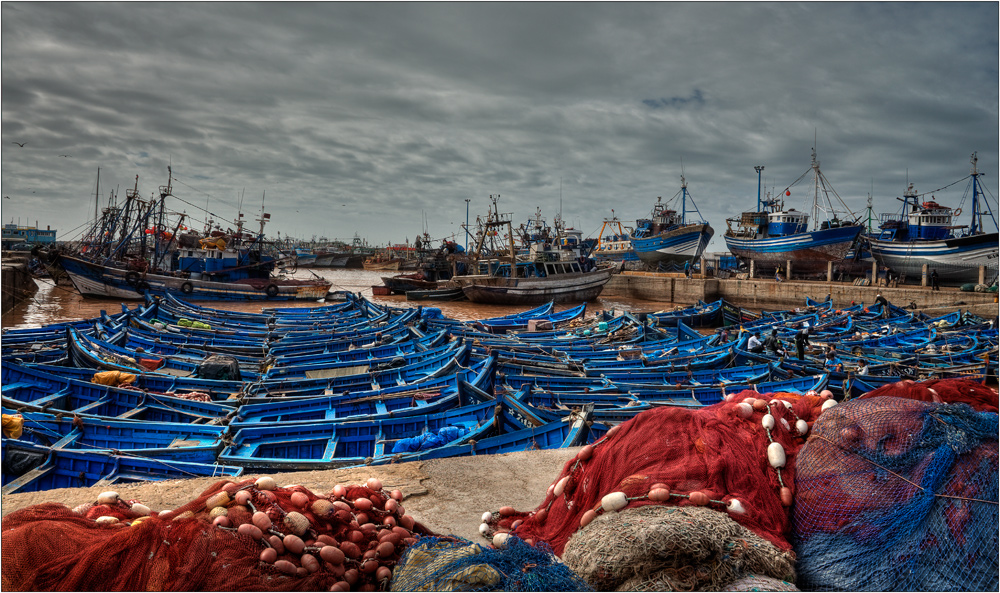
(448, 564)
(894, 494)
(429, 440)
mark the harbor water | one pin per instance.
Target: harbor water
(55, 304)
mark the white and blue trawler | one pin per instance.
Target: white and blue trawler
(666, 237)
(923, 232)
(772, 235)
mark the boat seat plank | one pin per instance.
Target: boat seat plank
(14, 485)
(174, 372)
(132, 413)
(331, 448)
(49, 398)
(69, 439)
(337, 372)
(93, 405)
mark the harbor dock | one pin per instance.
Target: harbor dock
(766, 293)
(17, 282)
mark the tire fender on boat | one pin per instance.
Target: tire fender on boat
(187, 288)
(272, 290)
(142, 286)
(132, 277)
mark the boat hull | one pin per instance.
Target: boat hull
(677, 246)
(955, 260)
(331, 260)
(440, 294)
(582, 287)
(809, 251)
(92, 279)
(383, 266)
(403, 283)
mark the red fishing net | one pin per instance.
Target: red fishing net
(233, 537)
(954, 391)
(716, 456)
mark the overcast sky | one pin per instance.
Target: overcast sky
(368, 118)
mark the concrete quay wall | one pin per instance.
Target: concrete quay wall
(17, 281)
(760, 293)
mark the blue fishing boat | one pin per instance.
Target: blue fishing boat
(368, 440)
(668, 237)
(553, 435)
(64, 468)
(701, 315)
(33, 389)
(714, 395)
(405, 400)
(198, 443)
(549, 321)
(773, 236)
(924, 233)
(130, 252)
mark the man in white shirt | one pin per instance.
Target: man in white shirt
(754, 344)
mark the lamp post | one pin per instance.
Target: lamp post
(758, 169)
(466, 225)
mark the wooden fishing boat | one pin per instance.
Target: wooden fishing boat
(450, 293)
(573, 285)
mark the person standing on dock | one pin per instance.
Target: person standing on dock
(934, 280)
(801, 341)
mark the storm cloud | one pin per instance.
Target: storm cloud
(367, 118)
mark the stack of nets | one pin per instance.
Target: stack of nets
(733, 462)
(657, 548)
(235, 536)
(898, 492)
(444, 564)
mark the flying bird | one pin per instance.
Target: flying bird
(21, 144)
(6, 197)
(66, 155)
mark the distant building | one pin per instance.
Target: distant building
(16, 235)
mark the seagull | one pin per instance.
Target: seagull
(21, 144)
(6, 197)
(66, 155)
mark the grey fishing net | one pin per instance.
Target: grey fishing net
(657, 548)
